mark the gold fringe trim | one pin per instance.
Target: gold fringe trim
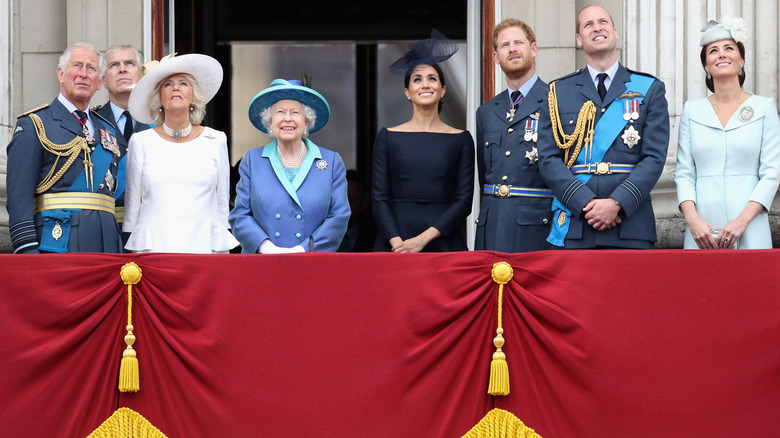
(126, 423)
(499, 369)
(499, 423)
(129, 380)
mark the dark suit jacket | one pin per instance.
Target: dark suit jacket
(632, 190)
(510, 224)
(28, 165)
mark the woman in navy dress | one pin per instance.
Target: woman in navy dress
(423, 170)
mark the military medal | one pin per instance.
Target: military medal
(513, 107)
(109, 142)
(532, 155)
(631, 137)
(531, 128)
(630, 110)
(561, 218)
(109, 179)
(746, 113)
(56, 232)
(634, 109)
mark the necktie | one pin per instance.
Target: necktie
(516, 98)
(82, 116)
(602, 88)
(128, 126)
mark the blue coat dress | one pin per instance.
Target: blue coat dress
(631, 190)
(722, 168)
(86, 230)
(311, 211)
(505, 157)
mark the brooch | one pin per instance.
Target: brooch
(321, 164)
(746, 113)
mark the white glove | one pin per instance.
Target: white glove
(268, 247)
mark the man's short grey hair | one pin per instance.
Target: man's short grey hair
(114, 48)
(65, 57)
(308, 114)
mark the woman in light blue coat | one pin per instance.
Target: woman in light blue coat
(728, 156)
(292, 195)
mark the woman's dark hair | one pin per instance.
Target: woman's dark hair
(708, 80)
(408, 78)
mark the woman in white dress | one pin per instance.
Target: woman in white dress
(728, 155)
(178, 174)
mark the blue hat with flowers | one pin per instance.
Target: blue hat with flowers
(281, 89)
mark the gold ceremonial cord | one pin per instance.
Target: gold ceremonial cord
(582, 131)
(70, 149)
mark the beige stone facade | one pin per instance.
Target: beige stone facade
(658, 37)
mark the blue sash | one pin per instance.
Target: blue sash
(606, 131)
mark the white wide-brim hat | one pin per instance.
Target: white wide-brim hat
(281, 89)
(206, 70)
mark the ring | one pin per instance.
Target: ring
(727, 240)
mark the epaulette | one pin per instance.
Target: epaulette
(98, 115)
(567, 76)
(32, 111)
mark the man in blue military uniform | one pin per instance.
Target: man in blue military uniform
(122, 70)
(62, 167)
(515, 213)
(603, 140)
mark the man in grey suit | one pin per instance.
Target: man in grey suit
(515, 212)
(122, 69)
(602, 145)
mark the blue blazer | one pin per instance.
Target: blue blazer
(311, 211)
(511, 224)
(28, 165)
(631, 190)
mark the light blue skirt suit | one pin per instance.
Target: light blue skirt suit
(311, 211)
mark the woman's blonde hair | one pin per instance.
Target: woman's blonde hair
(197, 106)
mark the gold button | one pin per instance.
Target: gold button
(508, 153)
(487, 144)
(510, 130)
(504, 178)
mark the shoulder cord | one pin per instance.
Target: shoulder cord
(70, 149)
(582, 131)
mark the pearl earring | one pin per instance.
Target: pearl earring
(192, 107)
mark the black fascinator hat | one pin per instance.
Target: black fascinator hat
(429, 51)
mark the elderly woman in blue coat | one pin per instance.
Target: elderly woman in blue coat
(292, 194)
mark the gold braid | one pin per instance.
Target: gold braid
(70, 149)
(582, 131)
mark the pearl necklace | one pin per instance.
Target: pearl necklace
(177, 133)
(296, 162)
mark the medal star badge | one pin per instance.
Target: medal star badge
(532, 155)
(631, 137)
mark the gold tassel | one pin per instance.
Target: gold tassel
(129, 380)
(499, 369)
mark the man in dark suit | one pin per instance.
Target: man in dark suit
(122, 70)
(515, 212)
(602, 146)
(62, 167)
